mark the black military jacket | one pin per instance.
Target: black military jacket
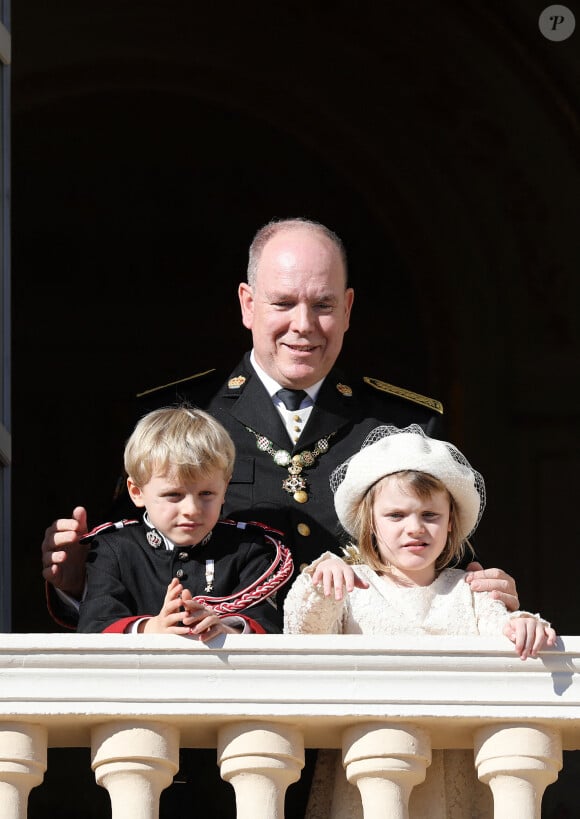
(128, 575)
(345, 412)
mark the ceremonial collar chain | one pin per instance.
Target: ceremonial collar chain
(295, 484)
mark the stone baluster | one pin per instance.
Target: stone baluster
(260, 760)
(518, 761)
(135, 761)
(385, 762)
(22, 765)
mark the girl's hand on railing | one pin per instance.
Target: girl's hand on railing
(529, 635)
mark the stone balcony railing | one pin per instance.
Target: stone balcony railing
(260, 700)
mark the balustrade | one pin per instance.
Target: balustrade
(261, 699)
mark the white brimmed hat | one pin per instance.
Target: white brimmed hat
(388, 449)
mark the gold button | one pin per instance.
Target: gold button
(303, 529)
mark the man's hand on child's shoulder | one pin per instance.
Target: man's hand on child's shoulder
(498, 583)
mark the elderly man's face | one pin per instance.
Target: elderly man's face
(299, 309)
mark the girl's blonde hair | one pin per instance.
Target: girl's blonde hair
(422, 486)
(182, 439)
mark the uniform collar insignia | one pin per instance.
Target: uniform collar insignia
(154, 539)
(344, 389)
(236, 382)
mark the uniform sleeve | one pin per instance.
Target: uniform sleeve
(63, 609)
(307, 610)
(435, 427)
(107, 599)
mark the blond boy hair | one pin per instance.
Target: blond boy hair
(183, 440)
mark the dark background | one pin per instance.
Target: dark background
(440, 140)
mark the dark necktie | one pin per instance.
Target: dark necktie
(291, 398)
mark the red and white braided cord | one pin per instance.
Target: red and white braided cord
(258, 591)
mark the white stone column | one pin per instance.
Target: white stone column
(518, 761)
(134, 761)
(385, 762)
(260, 760)
(22, 765)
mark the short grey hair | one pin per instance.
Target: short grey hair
(272, 228)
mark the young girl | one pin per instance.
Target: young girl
(410, 503)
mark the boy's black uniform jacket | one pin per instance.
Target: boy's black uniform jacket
(128, 576)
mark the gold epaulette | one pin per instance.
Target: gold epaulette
(432, 403)
(174, 383)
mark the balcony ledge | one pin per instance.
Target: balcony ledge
(318, 684)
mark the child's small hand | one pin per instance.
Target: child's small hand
(202, 622)
(336, 575)
(169, 619)
(529, 635)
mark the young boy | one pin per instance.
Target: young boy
(182, 570)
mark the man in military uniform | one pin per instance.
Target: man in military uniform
(297, 304)
(292, 414)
